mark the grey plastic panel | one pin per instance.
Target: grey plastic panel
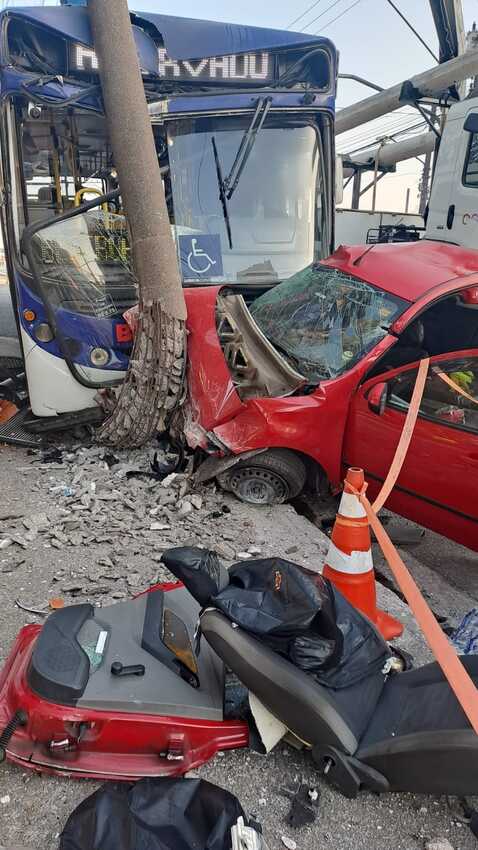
(306, 708)
(160, 690)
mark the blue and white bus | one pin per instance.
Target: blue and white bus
(243, 119)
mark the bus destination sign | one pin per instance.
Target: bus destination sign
(248, 67)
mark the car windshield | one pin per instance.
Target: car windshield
(260, 228)
(324, 321)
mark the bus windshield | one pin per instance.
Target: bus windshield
(267, 226)
(261, 229)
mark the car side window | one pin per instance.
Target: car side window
(470, 172)
(450, 397)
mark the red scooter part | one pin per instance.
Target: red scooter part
(87, 743)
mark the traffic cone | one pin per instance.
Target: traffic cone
(349, 564)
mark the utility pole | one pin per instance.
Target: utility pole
(428, 84)
(153, 384)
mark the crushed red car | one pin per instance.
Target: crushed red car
(289, 388)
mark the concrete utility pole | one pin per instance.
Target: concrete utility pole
(428, 83)
(387, 155)
(153, 384)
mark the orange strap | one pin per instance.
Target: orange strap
(451, 383)
(454, 671)
(405, 436)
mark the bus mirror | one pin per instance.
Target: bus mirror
(377, 398)
(339, 180)
(471, 123)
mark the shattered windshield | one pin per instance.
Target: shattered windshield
(324, 321)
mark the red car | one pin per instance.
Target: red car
(316, 374)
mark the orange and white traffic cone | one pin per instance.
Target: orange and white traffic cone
(349, 564)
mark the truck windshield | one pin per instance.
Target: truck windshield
(269, 227)
(324, 321)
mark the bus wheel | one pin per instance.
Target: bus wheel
(270, 478)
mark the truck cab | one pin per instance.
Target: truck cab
(453, 207)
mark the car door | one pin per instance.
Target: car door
(438, 484)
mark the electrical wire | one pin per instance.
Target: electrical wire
(371, 138)
(414, 31)
(338, 16)
(375, 141)
(373, 133)
(303, 14)
(335, 3)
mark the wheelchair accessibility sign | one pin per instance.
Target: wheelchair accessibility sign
(201, 256)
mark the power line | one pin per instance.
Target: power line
(339, 16)
(414, 31)
(372, 133)
(335, 3)
(309, 9)
(392, 136)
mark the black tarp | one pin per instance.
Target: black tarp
(304, 619)
(154, 814)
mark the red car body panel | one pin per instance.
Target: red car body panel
(211, 391)
(115, 745)
(434, 492)
(314, 425)
(407, 269)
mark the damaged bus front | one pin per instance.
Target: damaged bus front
(243, 120)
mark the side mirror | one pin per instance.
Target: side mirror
(339, 180)
(377, 398)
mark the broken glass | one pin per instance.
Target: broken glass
(325, 321)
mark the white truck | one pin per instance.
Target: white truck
(453, 207)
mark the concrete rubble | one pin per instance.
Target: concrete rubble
(96, 500)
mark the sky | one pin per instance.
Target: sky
(373, 43)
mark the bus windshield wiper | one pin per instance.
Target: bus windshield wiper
(222, 191)
(244, 150)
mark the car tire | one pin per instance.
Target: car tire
(269, 478)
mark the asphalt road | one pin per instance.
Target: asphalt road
(7, 318)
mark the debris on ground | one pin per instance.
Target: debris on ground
(30, 609)
(122, 507)
(438, 844)
(305, 802)
(465, 637)
(288, 842)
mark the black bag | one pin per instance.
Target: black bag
(199, 569)
(364, 651)
(158, 814)
(303, 618)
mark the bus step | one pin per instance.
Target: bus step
(14, 433)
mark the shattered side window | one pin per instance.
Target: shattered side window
(84, 263)
(324, 321)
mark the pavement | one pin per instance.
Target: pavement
(70, 558)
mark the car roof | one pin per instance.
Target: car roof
(406, 269)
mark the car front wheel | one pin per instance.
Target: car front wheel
(269, 478)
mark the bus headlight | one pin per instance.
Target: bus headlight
(43, 332)
(99, 356)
